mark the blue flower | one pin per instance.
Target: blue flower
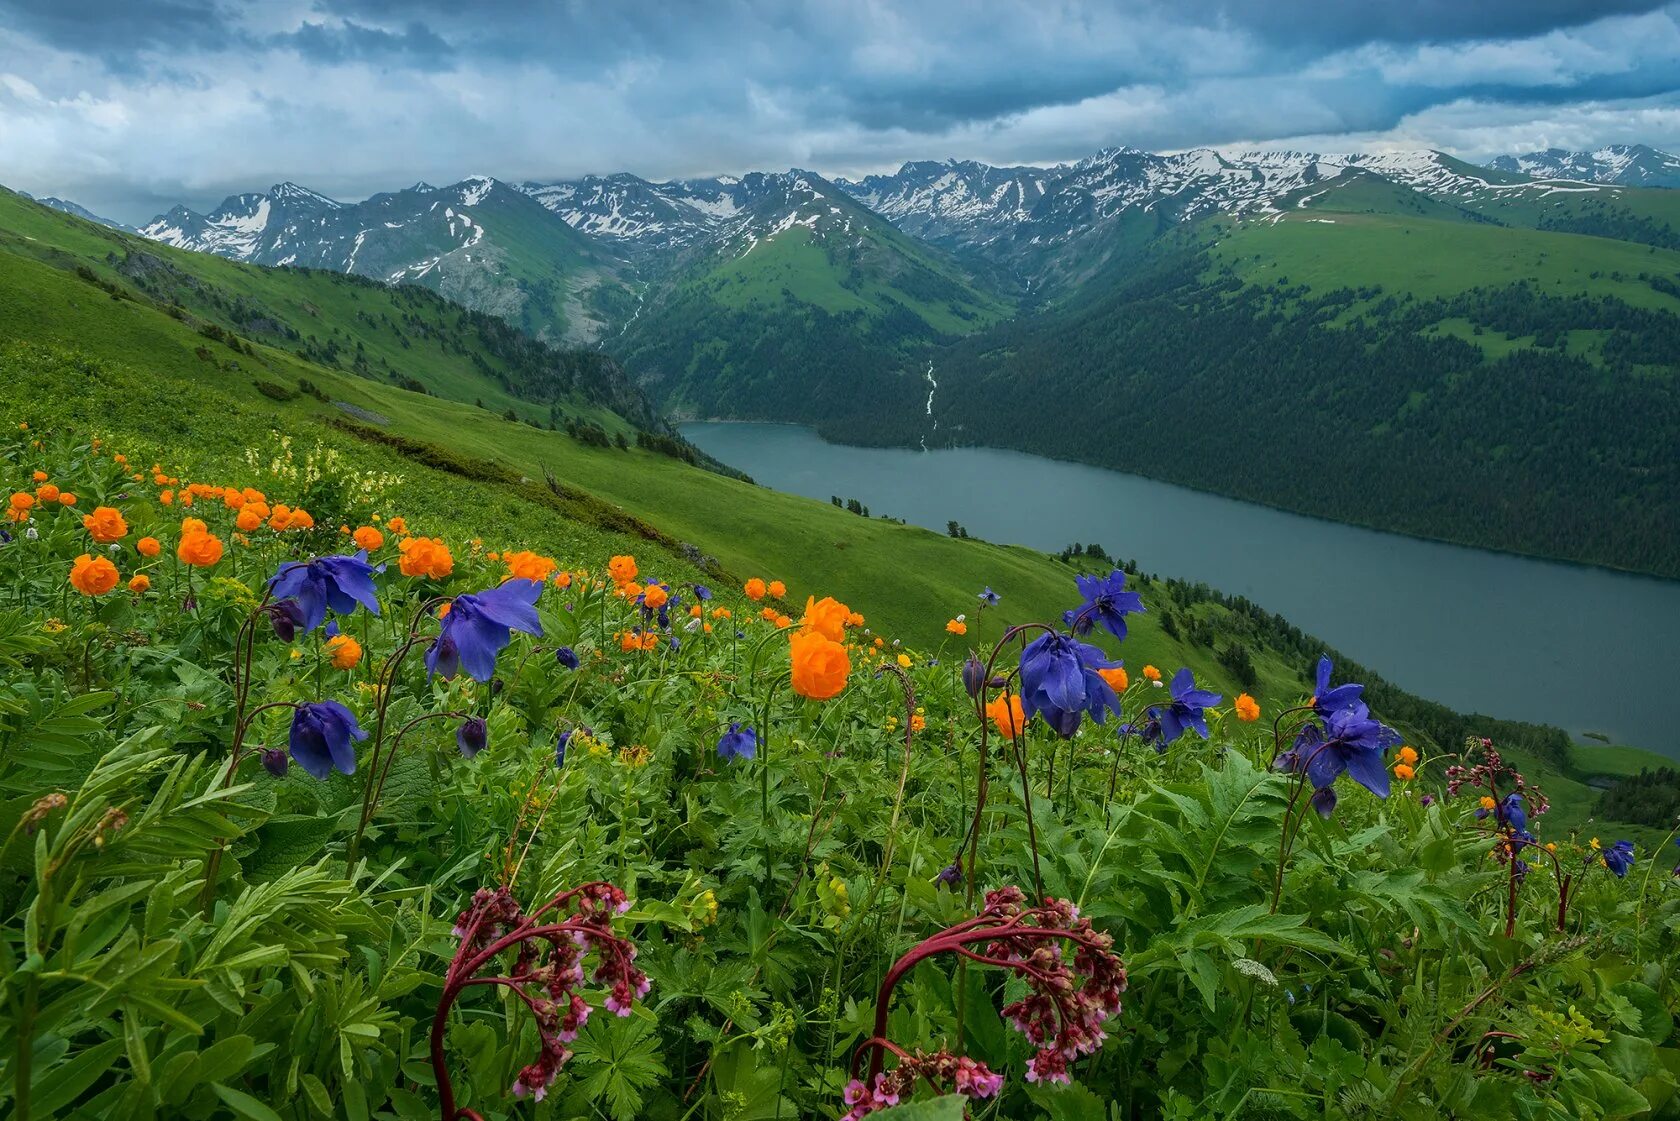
(275, 761)
(478, 628)
(1513, 813)
(1348, 741)
(287, 617)
(1106, 601)
(1327, 700)
(973, 676)
(1185, 711)
(336, 582)
(321, 738)
(1619, 858)
(737, 743)
(989, 597)
(567, 657)
(950, 875)
(702, 593)
(561, 742)
(472, 736)
(1059, 679)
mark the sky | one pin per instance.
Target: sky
(132, 106)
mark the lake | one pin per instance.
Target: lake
(1585, 649)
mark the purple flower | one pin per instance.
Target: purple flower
(988, 597)
(1513, 813)
(275, 761)
(336, 582)
(472, 736)
(1106, 601)
(567, 657)
(1185, 711)
(950, 875)
(973, 676)
(1059, 679)
(1348, 741)
(1326, 700)
(1619, 858)
(737, 743)
(286, 617)
(478, 627)
(322, 738)
(702, 593)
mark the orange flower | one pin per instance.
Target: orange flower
(820, 665)
(344, 651)
(826, 616)
(853, 619)
(366, 537)
(622, 569)
(526, 565)
(768, 614)
(284, 518)
(193, 525)
(777, 589)
(66, 499)
(722, 613)
(105, 524)
(166, 497)
(783, 622)
(186, 498)
(233, 499)
(397, 526)
(1248, 709)
(1007, 714)
(47, 492)
(563, 580)
(22, 501)
(957, 626)
(695, 611)
(753, 588)
(1116, 678)
(1152, 673)
(425, 556)
(655, 597)
(140, 583)
(200, 549)
(148, 547)
(1404, 772)
(247, 521)
(40, 476)
(1408, 756)
(93, 576)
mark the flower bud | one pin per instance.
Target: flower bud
(472, 737)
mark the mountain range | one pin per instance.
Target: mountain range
(1507, 332)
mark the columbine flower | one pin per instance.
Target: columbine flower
(1349, 741)
(702, 593)
(478, 627)
(336, 582)
(1326, 700)
(973, 676)
(1619, 858)
(321, 738)
(1185, 711)
(1059, 678)
(988, 597)
(275, 761)
(472, 736)
(1513, 813)
(737, 743)
(1106, 601)
(567, 657)
(950, 876)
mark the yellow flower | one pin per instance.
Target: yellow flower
(957, 626)
(904, 661)
(1594, 844)
(1151, 673)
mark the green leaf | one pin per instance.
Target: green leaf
(244, 1104)
(58, 1086)
(947, 1108)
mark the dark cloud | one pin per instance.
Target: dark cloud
(1341, 23)
(115, 29)
(350, 41)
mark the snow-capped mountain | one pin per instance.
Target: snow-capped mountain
(1631, 165)
(82, 212)
(948, 199)
(482, 242)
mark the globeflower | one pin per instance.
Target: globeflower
(956, 626)
(425, 556)
(654, 597)
(93, 576)
(367, 538)
(479, 626)
(826, 616)
(140, 583)
(344, 651)
(754, 588)
(47, 492)
(1106, 602)
(777, 589)
(248, 521)
(201, 549)
(622, 569)
(526, 565)
(1007, 714)
(1248, 709)
(339, 583)
(820, 665)
(322, 738)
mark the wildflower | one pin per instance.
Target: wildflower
(66, 499)
(425, 556)
(754, 589)
(1248, 709)
(1007, 714)
(973, 676)
(248, 521)
(398, 526)
(367, 538)
(322, 738)
(1186, 709)
(1618, 858)
(93, 576)
(820, 665)
(1326, 700)
(988, 598)
(47, 492)
(1513, 813)
(567, 657)
(275, 761)
(20, 506)
(1348, 741)
(654, 597)
(1152, 674)
(337, 582)
(148, 547)
(904, 661)
(950, 876)
(1116, 677)
(344, 651)
(201, 549)
(40, 476)
(782, 622)
(563, 580)
(1408, 755)
(479, 626)
(777, 589)
(702, 593)
(1404, 772)
(918, 722)
(472, 736)
(1487, 803)
(737, 743)
(826, 616)
(139, 583)
(1059, 679)
(1106, 601)
(956, 626)
(622, 569)
(166, 498)
(526, 565)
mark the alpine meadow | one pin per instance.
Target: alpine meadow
(628, 634)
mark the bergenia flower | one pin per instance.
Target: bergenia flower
(323, 737)
(1106, 601)
(737, 743)
(478, 627)
(1185, 711)
(472, 736)
(336, 582)
(1059, 679)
